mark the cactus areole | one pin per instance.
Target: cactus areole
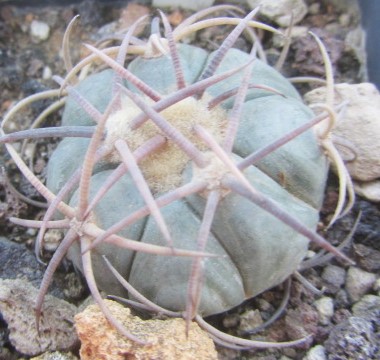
(256, 250)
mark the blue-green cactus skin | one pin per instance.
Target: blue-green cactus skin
(257, 251)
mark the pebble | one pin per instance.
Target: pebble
(289, 353)
(341, 299)
(352, 339)
(358, 127)
(168, 338)
(344, 19)
(264, 305)
(17, 298)
(47, 73)
(39, 30)
(184, 4)
(301, 322)
(31, 232)
(17, 261)
(52, 239)
(358, 282)
(334, 275)
(231, 320)
(250, 320)
(280, 11)
(316, 353)
(56, 355)
(367, 257)
(370, 190)
(368, 308)
(325, 308)
(315, 8)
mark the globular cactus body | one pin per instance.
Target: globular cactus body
(187, 181)
(257, 251)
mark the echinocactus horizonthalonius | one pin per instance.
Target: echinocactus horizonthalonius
(191, 181)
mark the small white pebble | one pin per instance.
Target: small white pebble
(325, 308)
(250, 319)
(310, 254)
(316, 353)
(29, 150)
(31, 232)
(52, 239)
(314, 8)
(47, 73)
(299, 31)
(345, 19)
(39, 30)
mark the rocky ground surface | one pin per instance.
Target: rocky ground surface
(344, 320)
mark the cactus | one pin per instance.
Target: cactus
(187, 181)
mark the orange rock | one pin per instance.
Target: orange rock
(167, 338)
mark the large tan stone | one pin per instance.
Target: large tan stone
(369, 190)
(167, 338)
(358, 127)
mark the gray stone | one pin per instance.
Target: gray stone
(325, 308)
(369, 190)
(368, 308)
(39, 30)
(358, 123)
(18, 262)
(367, 257)
(316, 353)
(280, 11)
(314, 8)
(250, 320)
(334, 275)
(358, 282)
(352, 339)
(56, 330)
(56, 355)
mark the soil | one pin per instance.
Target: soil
(26, 65)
